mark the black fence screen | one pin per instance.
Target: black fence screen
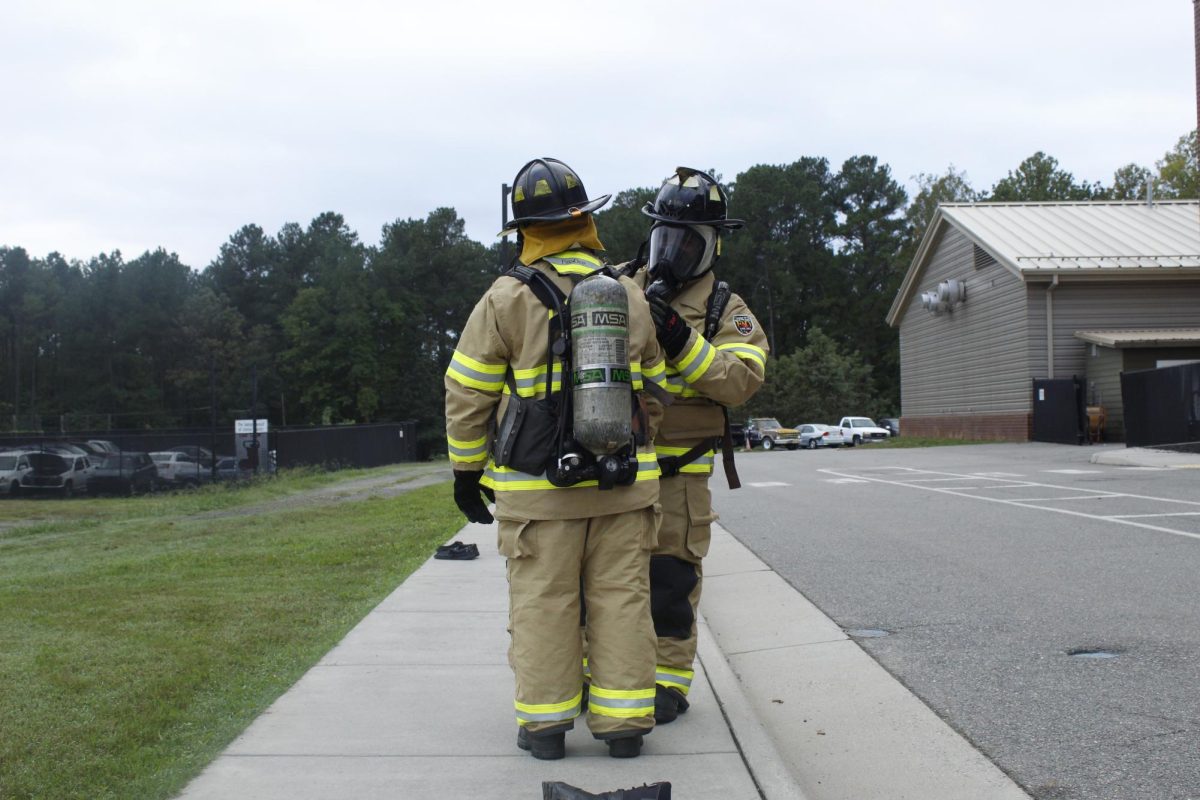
(1059, 414)
(339, 445)
(1162, 406)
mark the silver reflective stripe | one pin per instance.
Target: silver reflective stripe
(554, 716)
(671, 679)
(697, 365)
(744, 352)
(613, 702)
(466, 452)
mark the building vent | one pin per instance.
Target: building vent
(945, 297)
(983, 258)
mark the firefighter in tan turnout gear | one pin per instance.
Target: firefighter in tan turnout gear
(545, 409)
(716, 357)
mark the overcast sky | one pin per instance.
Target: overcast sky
(130, 125)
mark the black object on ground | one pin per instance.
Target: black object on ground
(457, 551)
(557, 790)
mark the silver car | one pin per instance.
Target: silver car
(13, 467)
(814, 435)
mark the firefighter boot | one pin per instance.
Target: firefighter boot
(625, 746)
(669, 703)
(557, 790)
(547, 747)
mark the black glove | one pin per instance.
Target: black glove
(467, 497)
(671, 329)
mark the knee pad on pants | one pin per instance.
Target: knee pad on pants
(671, 582)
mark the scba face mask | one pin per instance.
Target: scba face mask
(681, 253)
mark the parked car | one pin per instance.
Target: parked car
(770, 434)
(228, 469)
(55, 472)
(13, 467)
(814, 435)
(179, 469)
(126, 473)
(859, 430)
(891, 425)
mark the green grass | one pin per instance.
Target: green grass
(136, 647)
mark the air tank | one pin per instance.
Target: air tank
(601, 382)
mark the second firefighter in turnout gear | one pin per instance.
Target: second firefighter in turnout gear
(565, 518)
(716, 357)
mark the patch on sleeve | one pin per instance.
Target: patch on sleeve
(744, 324)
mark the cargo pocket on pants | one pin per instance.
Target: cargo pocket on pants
(516, 538)
(651, 520)
(700, 520)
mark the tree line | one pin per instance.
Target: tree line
(337, 331)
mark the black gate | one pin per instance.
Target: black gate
(1162, 406)
(1059, 414)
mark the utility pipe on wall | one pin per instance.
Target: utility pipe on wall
(1050, 326)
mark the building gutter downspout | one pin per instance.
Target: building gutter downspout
(1050, 326)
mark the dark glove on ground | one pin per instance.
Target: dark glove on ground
(671, 329)
(468, 495)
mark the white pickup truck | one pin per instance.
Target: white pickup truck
(862, 429)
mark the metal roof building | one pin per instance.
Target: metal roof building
(998, 292)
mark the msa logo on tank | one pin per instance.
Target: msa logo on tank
(602, 358)
(600, 319)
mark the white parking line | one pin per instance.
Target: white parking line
(1075, 471)
(1167, 514)
(1118, 520)
(997, 474)
(769, 484)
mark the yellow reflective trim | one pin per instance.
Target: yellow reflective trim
(482, 440)
(667, 450)
(621, 713)
(692, 182)
(692, 354)
(473, 383)
(622, 694)
(518, 194)
(570, 180)
(531, 391)
(714, 193)
(651, 371)
(533, 372)
(683, 673)
(468, 459)
(548, 708)
(540, 188)
(697, 373)
(478, 366)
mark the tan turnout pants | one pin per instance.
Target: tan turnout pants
(685, 533)
(546, 560)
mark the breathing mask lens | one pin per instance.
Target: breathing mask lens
(679, 253)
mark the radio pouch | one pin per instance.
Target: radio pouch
(528, 432)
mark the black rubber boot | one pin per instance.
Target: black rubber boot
(557, 790)
(668, 704)
(625, 746)
(547, 747)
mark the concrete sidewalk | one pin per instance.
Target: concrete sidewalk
(418, 698)
(1117, 456)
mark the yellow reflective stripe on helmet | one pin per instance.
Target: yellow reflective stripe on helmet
(475, 374)
(621, 703)
(467, 452)
(574, 262)
(548, 712)
(696, 362)
(680, 679)
(747, 352)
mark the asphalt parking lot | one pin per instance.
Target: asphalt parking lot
(1044, 606)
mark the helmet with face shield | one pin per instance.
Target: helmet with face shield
(689, 214)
